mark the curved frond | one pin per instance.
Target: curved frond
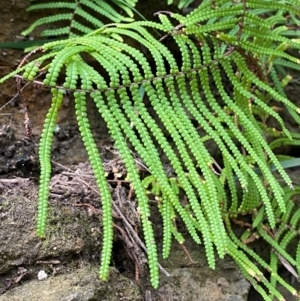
(82, 16)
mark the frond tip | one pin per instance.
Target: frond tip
(44, 157)
(91, 11)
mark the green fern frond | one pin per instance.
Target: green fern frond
(44, 157)
(94, 157)
(92, 11)
(223, 83)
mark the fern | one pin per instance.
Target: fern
(228, 76)
(84, 16)
(44, 157)
(79, 10)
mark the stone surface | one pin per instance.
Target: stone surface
(70, 230)
(82, 284)
(69, 255)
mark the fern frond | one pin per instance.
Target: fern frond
(47, 20)
(92, 11)
(44, 157)
(223, 83)
(95, 160)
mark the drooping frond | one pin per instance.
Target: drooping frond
(44, 157)
(80, 17)
(222, 84)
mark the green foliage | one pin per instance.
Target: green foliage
(227, 82)
(78, 17)
(81, 16)
(181, 3)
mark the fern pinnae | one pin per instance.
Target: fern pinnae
(156, 48)
(210, 200)
(211, 207)
(191, 137)
(111, 118)
(161, 72)
(142, 201)
(205, 113)
(287, 239)
(225, 32)
(239, 61)
(132, 173)
(96, 163)
(137, 26)
(208, 28)
(298, 258)
(94, 157)
(166, 209)
(127, 6)
(241, 259)
(205, 83)
(201, 154)
(177, 235)
(199, 115)
(52, 5)
(81, 12)
(138, 102)
(46, 20)
(81, 8)
(250, 200)
(284, 218)
(258, 101)
(295, 221)
(107, 10)
(259, 260)
(268, 37)
(287, 64)
(171, 155)
(175, 163)
(169, 193)
(239, 158)
(261, 51)
(44, 158)
(170, 126)
(254, 280)
(274, 267)
(203, 15)
(276, 189)
(151, 157)
(273, 158)
(58, 62)
(280, 249)
(287, 7)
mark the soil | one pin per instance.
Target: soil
(69, 254)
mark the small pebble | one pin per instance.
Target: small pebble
(42, 275)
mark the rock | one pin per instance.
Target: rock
(79, 285)
(69, 255)
(70, 230)
(202, 284)
(42, 275)
(191, 279)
